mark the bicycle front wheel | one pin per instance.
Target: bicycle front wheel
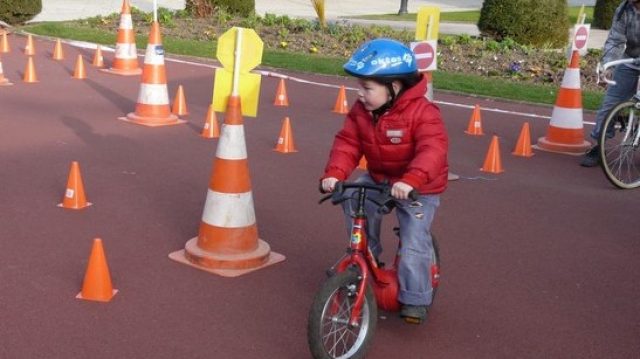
(329, 333)
(619, 140)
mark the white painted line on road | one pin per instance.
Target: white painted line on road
(296, 79)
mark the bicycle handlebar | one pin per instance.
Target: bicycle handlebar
(634, 61)
(337, 194)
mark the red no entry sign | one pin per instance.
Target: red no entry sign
(582, 34)
(425, 54)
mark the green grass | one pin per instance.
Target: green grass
(456, 82)
(469, 16)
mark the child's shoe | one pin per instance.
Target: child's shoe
(414, 314)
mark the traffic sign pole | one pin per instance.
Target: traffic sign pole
(236, 63)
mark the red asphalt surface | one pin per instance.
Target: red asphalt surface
(540, 261)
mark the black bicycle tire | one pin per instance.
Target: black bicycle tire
(330, 286)
(602, 143)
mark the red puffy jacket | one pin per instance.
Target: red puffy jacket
(408, 143)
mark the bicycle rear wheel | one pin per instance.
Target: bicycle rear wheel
(619, 140)
(329, 333)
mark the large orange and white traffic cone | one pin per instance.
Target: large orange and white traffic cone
(3, 80)
(4, 44)
(125, 60)
(97, 285)
(227, 243)
(152, 108)
(565, 133)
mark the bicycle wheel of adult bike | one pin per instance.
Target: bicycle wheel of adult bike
(619, 140)
(329, 334)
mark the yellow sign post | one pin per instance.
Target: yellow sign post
(428, 23)
(239, 51)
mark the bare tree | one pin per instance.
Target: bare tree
(403, 7)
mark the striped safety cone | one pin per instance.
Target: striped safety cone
(565, 133)
(152, 108)
(125, 60)
(227, 243)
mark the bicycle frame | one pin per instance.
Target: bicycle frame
(359, 255)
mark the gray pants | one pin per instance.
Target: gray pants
(414, 218)
(626, 80)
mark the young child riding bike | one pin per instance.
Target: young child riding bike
(403, 138)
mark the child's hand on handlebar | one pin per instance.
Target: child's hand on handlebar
(328, 184)
(400, 190)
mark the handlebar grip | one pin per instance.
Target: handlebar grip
(414, 195)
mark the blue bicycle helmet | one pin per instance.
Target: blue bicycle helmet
(384, 61)
(381, 58)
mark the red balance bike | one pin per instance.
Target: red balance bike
(343, 316)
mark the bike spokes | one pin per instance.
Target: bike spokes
(620, 142)
(338, 336)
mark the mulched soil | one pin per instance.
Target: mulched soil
(464, 54)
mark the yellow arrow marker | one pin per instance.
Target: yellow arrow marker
(250, 49)
(249, 91)
(428, 23)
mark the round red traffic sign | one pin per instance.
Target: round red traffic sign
(424, 55)
(581, 37)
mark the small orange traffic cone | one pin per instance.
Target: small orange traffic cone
(3, 80)
(58, 54)
(125, 61)
(475, 123)
(227, 243)
(29, 49)
(152, 108)
(4, 44)
(285, 141)
(97, 285)
(210, 129)
(30, 72)
(281, 95)
(98, 59)
(565, 131)
(492, 161)
(363, 163)
(341, 106)
(74, 197)
(179, 103)
(523, 146)
(79, 72)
